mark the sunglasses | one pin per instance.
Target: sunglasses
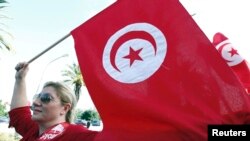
(44, 97)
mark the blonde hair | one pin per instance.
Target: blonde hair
(66, 96)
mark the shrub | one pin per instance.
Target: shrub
(9, 137)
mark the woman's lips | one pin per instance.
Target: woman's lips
(35, 110)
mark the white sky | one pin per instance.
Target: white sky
(36, 24)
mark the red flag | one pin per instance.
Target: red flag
(239, 65)
(153, 75)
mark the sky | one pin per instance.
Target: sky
(37, 24)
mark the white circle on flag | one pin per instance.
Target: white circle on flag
(135, 59)
(231, 59)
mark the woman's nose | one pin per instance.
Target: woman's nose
(36, 102)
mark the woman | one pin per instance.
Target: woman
(52, 112)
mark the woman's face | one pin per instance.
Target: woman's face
(47, 107)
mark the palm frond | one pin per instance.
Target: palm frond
(3, 42)
(2, 7)
(73, 76)
(3, 1)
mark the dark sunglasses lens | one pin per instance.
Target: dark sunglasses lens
(45, 98)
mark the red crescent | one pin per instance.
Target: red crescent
(126, 37)
(220, 49)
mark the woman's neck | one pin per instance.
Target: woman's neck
(48, 125)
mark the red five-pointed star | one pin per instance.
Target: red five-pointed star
(233, 52)
(133, 55)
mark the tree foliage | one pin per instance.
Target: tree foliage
(3, 42)
(89, 115)
(78, 113)
(9, 137)
(3, 109)
(73, 76)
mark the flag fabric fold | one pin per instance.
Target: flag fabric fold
(154, 76)
(239, 65)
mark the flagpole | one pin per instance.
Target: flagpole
(50, 47)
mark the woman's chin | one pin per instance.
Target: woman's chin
(36, 118)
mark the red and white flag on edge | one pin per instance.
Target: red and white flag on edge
(239, 65)
(154, 76)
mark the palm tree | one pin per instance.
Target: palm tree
(3, 42)
(74, 76)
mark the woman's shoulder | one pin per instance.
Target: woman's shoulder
(79, 128)
(79, 132)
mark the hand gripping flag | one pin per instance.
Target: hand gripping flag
(239, 65)
(154, 76)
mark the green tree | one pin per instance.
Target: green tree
(74, 77)
(89, 115)
(3, 109)
(3, 42)
(78, 113)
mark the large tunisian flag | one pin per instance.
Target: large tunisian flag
(154, 76)
(239, 65)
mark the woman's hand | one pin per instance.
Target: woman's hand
(21, 70)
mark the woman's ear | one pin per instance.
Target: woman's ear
(65, 109)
